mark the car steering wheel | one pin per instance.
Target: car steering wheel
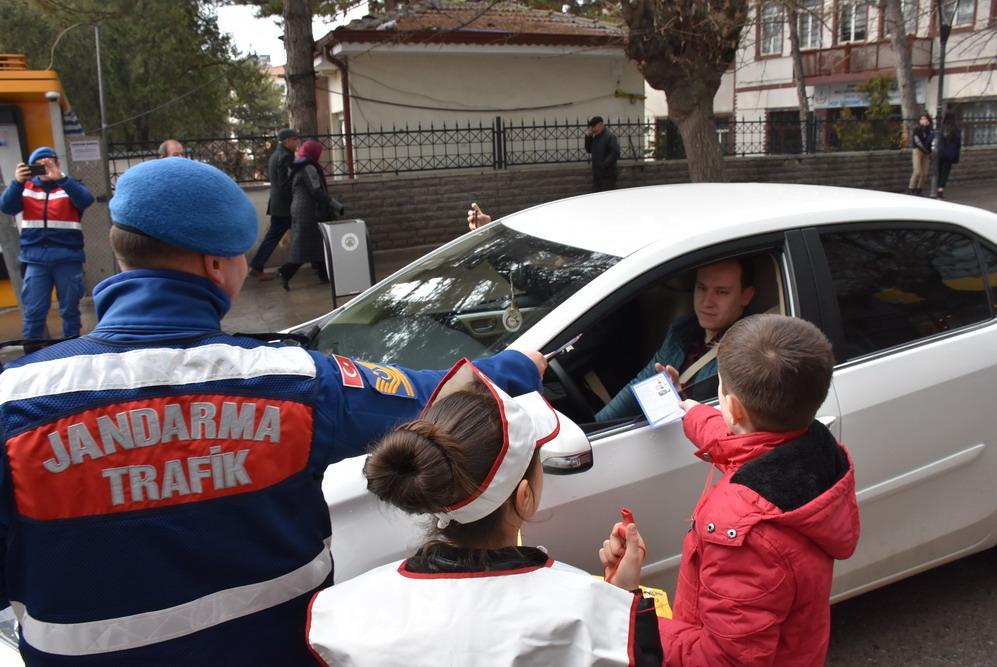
(573, 392)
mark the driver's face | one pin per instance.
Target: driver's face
(719, 300)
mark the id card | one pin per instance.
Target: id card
(658, 399)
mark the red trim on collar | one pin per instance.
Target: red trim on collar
(470, 575)
(632, 633)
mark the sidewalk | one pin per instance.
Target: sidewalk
(265, 307)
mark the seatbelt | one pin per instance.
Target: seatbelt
(690, 372)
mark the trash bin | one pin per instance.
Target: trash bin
(348, 255)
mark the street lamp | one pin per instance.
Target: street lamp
(945, 28)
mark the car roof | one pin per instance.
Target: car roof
(622, 222)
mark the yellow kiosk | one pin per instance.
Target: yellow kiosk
(32, 104)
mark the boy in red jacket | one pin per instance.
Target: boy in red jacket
(757, 562)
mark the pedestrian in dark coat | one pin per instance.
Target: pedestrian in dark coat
(605, 150)
(310, 205)
(949, 147)
(920, 141)
(279, 206)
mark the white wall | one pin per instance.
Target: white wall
(580, 84)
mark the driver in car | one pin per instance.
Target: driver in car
(721, 297)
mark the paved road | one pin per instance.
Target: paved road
(946, 616)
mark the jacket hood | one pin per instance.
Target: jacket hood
(806, 484)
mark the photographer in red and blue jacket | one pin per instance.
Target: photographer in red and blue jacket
(160, 480)
(51, 240)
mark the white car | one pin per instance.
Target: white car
(906, 289)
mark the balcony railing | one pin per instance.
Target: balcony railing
(863, 58)
(16, 61)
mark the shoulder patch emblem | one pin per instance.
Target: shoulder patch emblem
(389, 380)
(348, 371)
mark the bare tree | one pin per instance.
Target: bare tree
(793, 16)
(300, 72)
(905, 75)
(683, 47)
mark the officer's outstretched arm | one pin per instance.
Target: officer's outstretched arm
(359, 401)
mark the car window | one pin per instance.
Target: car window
(471, 299)
(655, 322)
(898, 285)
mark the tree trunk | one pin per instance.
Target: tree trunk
(300, 71)
(683, 47)
(696, 124)
(798, 76)
(905, 75)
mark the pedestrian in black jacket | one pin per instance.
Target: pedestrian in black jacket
(920, 141)
(310, 205)
(279, 206)
(605, 150)
(949, 147)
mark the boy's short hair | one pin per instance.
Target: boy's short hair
(139, 251)
(778, 367)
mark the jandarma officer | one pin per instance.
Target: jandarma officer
(51, 241)
(163, 501)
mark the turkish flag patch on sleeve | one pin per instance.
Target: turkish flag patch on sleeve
(348, 371)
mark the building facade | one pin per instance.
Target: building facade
(466, 64)
(844, 43)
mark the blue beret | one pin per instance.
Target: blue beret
(186, 204)
(40, 152)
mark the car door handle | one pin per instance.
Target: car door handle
(827, 420)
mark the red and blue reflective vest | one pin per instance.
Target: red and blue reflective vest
(51, 232)
(160, 487)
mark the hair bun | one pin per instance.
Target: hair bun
(413, 467)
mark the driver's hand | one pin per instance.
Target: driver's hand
(538, 360)
(672, 372)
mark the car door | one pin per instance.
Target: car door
(914, 333)
(652, 471)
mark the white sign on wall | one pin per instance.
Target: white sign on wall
(85, 151)
(838, 95)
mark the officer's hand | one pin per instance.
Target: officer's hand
(477, 218)
(21, 172)
(538, 360)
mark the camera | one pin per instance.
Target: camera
(36, 169)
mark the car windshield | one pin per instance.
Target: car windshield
(471, 299)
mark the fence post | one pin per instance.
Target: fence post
(495, 142)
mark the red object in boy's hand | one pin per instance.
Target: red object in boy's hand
(626, 518)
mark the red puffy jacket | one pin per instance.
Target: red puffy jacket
(757, 562)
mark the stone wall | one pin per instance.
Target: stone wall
(430, 209)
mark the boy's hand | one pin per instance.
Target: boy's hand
(672, 372)
(688, 404)
(622, 559)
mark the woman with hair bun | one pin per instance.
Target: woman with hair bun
(470, 595)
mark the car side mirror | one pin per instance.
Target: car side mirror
(569, 454)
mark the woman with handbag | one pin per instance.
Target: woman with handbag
(310, 205)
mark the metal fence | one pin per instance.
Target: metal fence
(502, 144)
